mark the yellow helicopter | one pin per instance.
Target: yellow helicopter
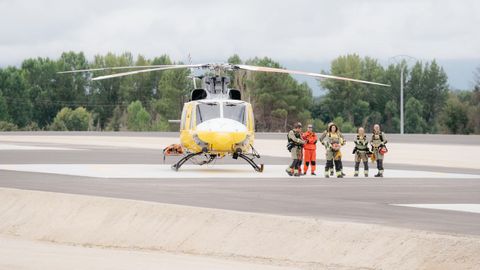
(215, 122)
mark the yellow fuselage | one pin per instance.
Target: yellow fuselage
(217, 126)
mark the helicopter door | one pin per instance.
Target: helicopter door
(188, 117)
(251, 120)
(184, 116)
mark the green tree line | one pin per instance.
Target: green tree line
(430, 107)
(35, 97)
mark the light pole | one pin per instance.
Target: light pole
(402, 68)
(403, 65)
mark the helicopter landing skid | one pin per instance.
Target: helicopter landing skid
(182, 161)
(250, 161)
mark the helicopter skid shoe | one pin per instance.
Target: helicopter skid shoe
(250, 161)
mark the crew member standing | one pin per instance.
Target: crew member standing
(340, 135)
(295, 146)
(379, 149)
(342, 143)
(309, 150)
(333, 142)
(361, 152)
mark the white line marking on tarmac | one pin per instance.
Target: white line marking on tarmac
(462, 207)
(195, 171)
(31, 147)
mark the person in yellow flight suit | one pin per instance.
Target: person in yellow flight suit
(361, 151)
(333, 141)
(322, 137)
(378, 142)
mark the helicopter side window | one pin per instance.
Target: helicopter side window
(183, 119)
(235, 112)
(207, 111)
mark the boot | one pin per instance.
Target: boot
(341, 169)
(296, 172)
(379, 174)
(365, 168)
(355, 174)
(328, 168)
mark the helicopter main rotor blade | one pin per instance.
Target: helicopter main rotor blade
(214, 66)
(319, 75)
(111, 68)
(146, 70)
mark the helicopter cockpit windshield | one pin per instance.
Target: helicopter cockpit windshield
(229, 110)
(207, 111)
(235, 111)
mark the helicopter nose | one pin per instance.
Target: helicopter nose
(222, 141)
(222, 134)
(225, 141)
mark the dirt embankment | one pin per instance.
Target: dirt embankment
(119, 223)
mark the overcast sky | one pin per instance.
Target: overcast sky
(297, 33)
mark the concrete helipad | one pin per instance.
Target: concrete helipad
(141, 171)
(129, 165)
(15, 147)
(432, 192)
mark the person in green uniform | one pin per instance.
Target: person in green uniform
(295, 146)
